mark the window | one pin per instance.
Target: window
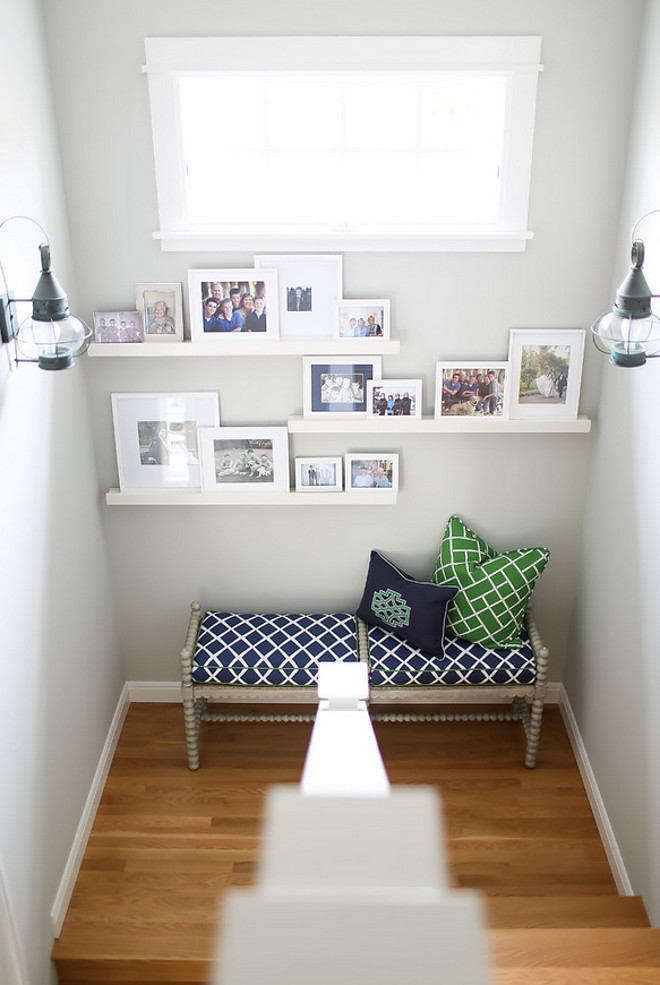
(343, 143)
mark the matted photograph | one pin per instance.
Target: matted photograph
(394, 398)
(362, 319)
(375, 470)
(245, 459)
(546, 372)
(233, 302)
(308, 286)
(161, 312)
(337, 386)
(320, 474)
(472, 389)
(117, 326)
(156, 438)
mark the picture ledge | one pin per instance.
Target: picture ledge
(431, 425)
(158, 497)
(245, 346)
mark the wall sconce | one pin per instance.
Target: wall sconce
(630, 332)
(51, 337)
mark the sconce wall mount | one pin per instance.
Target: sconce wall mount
(630, 332)
(51, 337)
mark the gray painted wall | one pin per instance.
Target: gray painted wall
(515, 490)
(613, 674)
(61, 673)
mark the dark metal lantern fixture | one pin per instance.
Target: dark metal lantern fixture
(630, 332)
(51, 337)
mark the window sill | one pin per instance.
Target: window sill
(343, 242)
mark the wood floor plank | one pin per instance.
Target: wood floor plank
(167, 842)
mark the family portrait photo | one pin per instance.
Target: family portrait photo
(372, 470)
(319, 474)
(246, 459)
(472, 390)
(546, 372)
(243, 461)
(362, 319)
(161, 313)
(337, 386)
(117, 326)
(232, 302)
(394, 398)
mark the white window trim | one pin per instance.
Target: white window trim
(167, 58)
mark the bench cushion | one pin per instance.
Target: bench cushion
(270, 649)
(394, 663)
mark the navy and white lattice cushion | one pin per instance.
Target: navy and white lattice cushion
(270, 649)
(392, 662)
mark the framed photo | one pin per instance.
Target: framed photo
(308, 286)
(228, 303)
(394, 398)
(117, 326)
(546, 372)
(363, 319)
(249, 459)
(161, 312)
(472, 389)
(319, 475)
(336, 386)
(374, 471)
(156, 438)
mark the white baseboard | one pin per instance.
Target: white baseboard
(70, 874)
(614, 856)
(154, 691)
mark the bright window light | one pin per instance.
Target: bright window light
(350, 155)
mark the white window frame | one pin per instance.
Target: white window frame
(516, 57)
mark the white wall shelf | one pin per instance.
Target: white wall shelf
(158, 497)
(429, 425)
(244, 345)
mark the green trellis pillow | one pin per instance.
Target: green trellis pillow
(494, 588)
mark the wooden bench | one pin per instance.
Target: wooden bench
(244, 659)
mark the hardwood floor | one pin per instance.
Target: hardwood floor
(167, 842)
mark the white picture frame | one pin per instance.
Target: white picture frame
(319, 278)
(394, 399)
(161, 311)
(319, 474)
(219, 285)
(362, 319)
(257, 459)
(335, 387)
(372, 471)
(156, 438)
(558, 354)
(464, 389)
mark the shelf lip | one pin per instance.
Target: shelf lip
(430, 425)
(246, 347)
(157, 497)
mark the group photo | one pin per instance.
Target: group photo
(372, 472)
(233, 306)
(471, 390)
(250, 460)
(342, 388)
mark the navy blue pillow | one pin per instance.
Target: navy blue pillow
(413, 610)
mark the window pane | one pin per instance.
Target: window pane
(342, 148)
